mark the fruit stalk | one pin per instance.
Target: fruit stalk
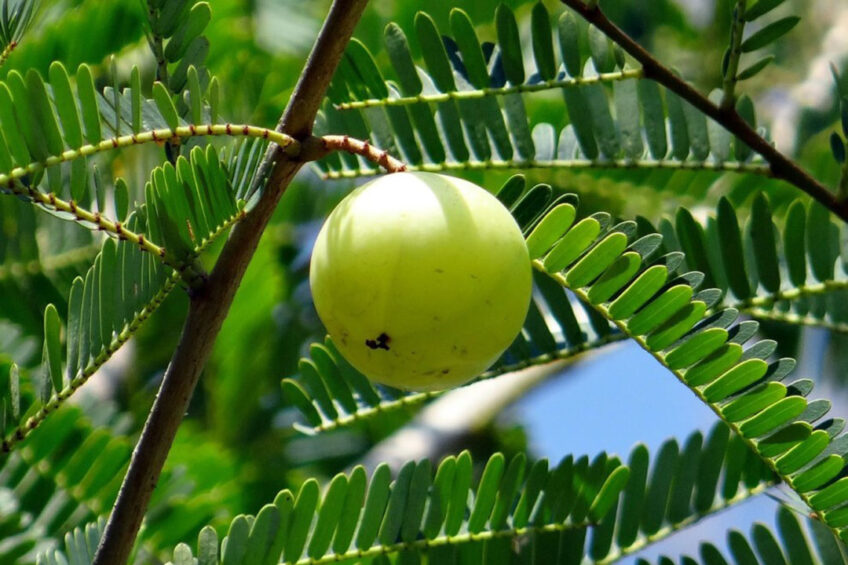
(317, 147)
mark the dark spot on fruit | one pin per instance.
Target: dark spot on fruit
(445, 371)
(440, 271)
(382, 342)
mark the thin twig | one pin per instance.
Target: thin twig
(4, 55)
(113, 228)
(290, 145)
(210, 304)
(316, 147)
(477, 94)
(797, 319)
(781, 166)
(734, 53)
(757, 168)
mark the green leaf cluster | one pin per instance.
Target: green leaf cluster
(465, 107)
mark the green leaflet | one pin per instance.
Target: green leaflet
(801, 455)
(66, 104)
(720, 139)
(761, 8)
(237, 541)
(615, 278)
(299, 527)
(677, 326)
(328, 517)
(733, 257)
(395, 509)
(754, 68)
(354, 499)
(626, 96)
(88, 105)
(569, 43)
(654, 118)
(398, 49)
(774, 416)
(466, 38)
(660, 309)
(696, 348)
(764, 245)
(11, 128)
(600, 49)
(165, 105)
(53, 347)
(486, 493)
(192, 26)
(569, 248)
(195, 99)
(769, 34)
(642, 289)
(679, 130)
(543, 47)
(753, 403)
(510, 44)
(597, 260)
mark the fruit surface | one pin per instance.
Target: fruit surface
(422, 280)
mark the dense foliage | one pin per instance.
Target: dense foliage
(135, 140)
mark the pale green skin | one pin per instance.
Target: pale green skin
(435, 263)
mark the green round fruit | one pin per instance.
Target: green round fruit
(422, 280)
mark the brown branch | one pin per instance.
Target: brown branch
(315, 148)
(211, 301)
(781, 166)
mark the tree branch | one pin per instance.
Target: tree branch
(781, 166)
(211, 302)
